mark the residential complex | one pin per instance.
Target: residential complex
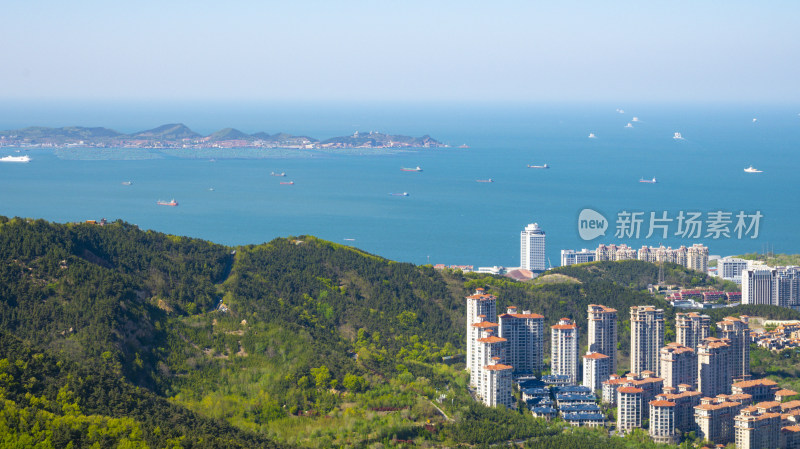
(672, 389)
(603, 332)
(694, 257)
(532, 248)
(647, 338)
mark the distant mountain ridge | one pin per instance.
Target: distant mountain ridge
(178, 135)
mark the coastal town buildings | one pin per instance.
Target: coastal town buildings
(602, 334)
(532, 248)
(564, 359)
(647, 338)
(777, 286)
(524, 332)
(685, 400)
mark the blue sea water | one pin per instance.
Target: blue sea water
(448, 217)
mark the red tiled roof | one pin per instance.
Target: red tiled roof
(563, 326)
(630, 390)
(497, 367)
(662, 403)
(595, 355)
(753, 383)
(492, 339)
(485, 324)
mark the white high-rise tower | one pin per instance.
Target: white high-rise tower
(532, 248)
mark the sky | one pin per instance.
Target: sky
(401, 51)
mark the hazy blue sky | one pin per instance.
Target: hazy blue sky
(675, 50)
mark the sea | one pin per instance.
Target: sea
(448, 217)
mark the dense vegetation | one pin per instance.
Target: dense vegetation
(113, 336)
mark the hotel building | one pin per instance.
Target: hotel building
(532, 248)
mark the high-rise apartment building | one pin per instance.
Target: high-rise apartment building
(481, 307)
(647, 338)
(596, 370)
(737, 331)
(678, 365)
(713, 367)
(692, 328)
(662, 422)
(603, 332)
(564, 357)
(524, 332)
(572, 257)
(629, 408)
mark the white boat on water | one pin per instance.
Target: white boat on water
(677, 136)
(629, 125)
(750, 169)
(25, 158)
(648, 181)
(127, 183)
(635, 119)
(592, 136)
(539, 166)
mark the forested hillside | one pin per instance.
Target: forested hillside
(162, 341)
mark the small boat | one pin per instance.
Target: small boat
(592, 136)
(167, 203)
(755, 120)
(539, 166)
(25, 158)
(287, 183)
(635, 119)
(212, 160)
(677, 136)
(648, 181)
(750, 169)
(127, 183)
(399, 194)
(415, 169)
(463, 145)
(350, 240)
(485, 180)
(621, 111)
(629, 125)
(210, 189)
(277, 174)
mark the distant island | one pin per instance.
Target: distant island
(178, 135)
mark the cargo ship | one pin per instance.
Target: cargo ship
(25, 158)
(485, 180)
(167, 203)
(539, 166)
(648, 181)
(399, 194)
(287, 183)
(277, 174)
(750, 169)
(417, 169)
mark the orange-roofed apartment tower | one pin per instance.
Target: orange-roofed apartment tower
(564, 357)
(603, 332)
(525, 334)
(481, 308)
(647, 338)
